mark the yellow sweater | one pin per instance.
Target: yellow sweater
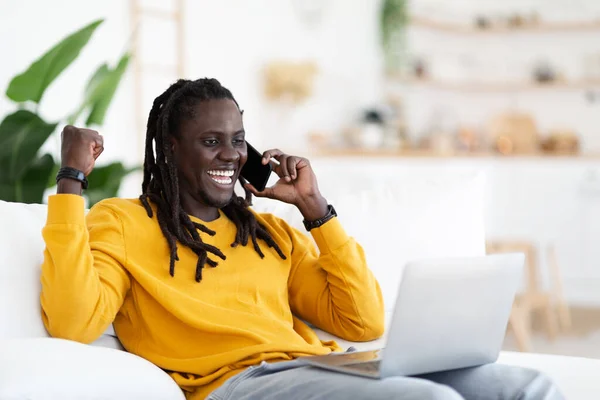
(113, 265)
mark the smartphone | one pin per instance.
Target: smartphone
(254, 171)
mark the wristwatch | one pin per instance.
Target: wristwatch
(319, 222)
(72, 173)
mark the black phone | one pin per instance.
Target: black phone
(254, 171)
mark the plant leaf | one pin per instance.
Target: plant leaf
(31, 84)
(102, 88)
(393, 16)
(21, 136)
(92, 87)
(35, 180)
(96, 81)
(105, 181)
(52, 177)
(7, 190)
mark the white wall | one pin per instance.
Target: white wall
(230, 40)
(234, 39)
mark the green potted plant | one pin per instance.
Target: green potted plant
(25, 173)
(393, 21)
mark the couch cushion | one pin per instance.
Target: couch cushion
(405, 217)
(45, 368)
(576, 377)
(21, 255)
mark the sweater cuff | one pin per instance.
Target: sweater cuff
(66, 209)
(330, 236)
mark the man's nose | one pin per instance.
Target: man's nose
(229, 153)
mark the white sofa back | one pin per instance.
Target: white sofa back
(21, 253)
(412, 217)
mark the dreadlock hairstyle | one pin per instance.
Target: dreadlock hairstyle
(161, 185)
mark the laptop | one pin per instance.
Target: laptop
(449, 314)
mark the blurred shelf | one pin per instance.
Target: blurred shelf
(541, 27)
(383, 153)
(499, 86)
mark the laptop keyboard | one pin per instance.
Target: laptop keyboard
(369, 366)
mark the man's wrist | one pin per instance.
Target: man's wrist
(313, 207)
(74, 174)
(310, 225)
(70, 186)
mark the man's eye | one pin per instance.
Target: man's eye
(210, 142)
(238, 142)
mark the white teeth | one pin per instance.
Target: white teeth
(221, 176)
(222, 181)
(227, 173)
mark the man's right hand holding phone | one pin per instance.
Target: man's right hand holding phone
(297, 184)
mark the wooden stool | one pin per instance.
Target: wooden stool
(532, 299)
(564, 313)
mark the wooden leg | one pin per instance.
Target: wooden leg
(564, 316)
(520, 325)
(550, 317)
(564, 313)
(542, 301)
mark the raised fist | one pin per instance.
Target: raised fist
(80, 148)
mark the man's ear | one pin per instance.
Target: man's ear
(173, 143)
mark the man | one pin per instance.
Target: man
(212, 292)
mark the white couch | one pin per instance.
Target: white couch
(395, 219)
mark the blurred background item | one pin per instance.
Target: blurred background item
(514, 133)
(394, 19)
(290, 82)
(544, 73)
(469, 139)
(561, 142)
(371, 129)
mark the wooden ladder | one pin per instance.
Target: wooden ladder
(138, 10)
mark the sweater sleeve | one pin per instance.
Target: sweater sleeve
(335, 290)
(83, 279)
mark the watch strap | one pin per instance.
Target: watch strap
(72, 173)
(319, 222)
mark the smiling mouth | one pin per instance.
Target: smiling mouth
(222, 176)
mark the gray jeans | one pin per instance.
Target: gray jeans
(291, 381)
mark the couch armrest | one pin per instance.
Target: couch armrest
(576, 377)
(46, 368)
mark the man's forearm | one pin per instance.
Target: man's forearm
(313, 208)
